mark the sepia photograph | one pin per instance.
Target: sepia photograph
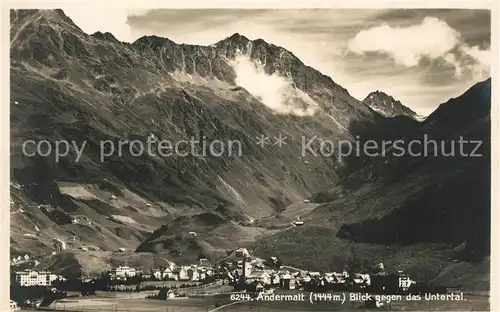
(250, 159)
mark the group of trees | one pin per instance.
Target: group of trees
(22, 295)
(274, 262)
(105, 283)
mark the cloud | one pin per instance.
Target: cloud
(274, 91)
(111, 20)
(432, 39)
(481, 67)
(179, 19)
(451, 59)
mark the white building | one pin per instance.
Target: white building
(59, 244)
(124, 272)
(247, 269)
(304, 277)
(405, 282)
(204, 262)
(170, 294)
(13, 306)
(260, 276)
(183, 273)
(287, 281)
(339, 278)
(365, 278)
(193, 274)
(242, 253)
(36, 278)
(166, 274)
(275, 279)
(158, 274)
(202, 274)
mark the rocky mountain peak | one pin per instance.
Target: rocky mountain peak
(236, 37)
(387, 106)
(105, 36)
(55, 17)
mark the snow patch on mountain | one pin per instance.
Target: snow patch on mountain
(227, 188)
(184, 80)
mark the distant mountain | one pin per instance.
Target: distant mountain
(387, 106)
(454, 201)
(458, 114)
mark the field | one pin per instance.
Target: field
(168, 283)
(474, 303)
(124, 303)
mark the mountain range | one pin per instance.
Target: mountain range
(67, 85)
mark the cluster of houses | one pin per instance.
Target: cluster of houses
(245, 272)
(258, 274)
(173, 272)
(19, 259)
(28, 278)
(80, 219)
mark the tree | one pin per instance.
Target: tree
(162, 294)
(88, 288)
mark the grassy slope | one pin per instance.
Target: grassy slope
(95, 262)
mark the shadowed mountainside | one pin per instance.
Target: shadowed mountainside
(393, 206)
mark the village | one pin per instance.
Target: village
(252, 274)
(240, 271)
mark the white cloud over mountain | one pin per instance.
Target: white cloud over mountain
(433, 39)
(274, 91)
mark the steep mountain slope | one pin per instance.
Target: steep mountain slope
(93, 263)
(387, 106)
(396, 206)
(67, 85)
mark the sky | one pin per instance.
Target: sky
(422, 57)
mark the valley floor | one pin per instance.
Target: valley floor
(472, 302)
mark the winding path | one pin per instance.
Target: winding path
(224, 306)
